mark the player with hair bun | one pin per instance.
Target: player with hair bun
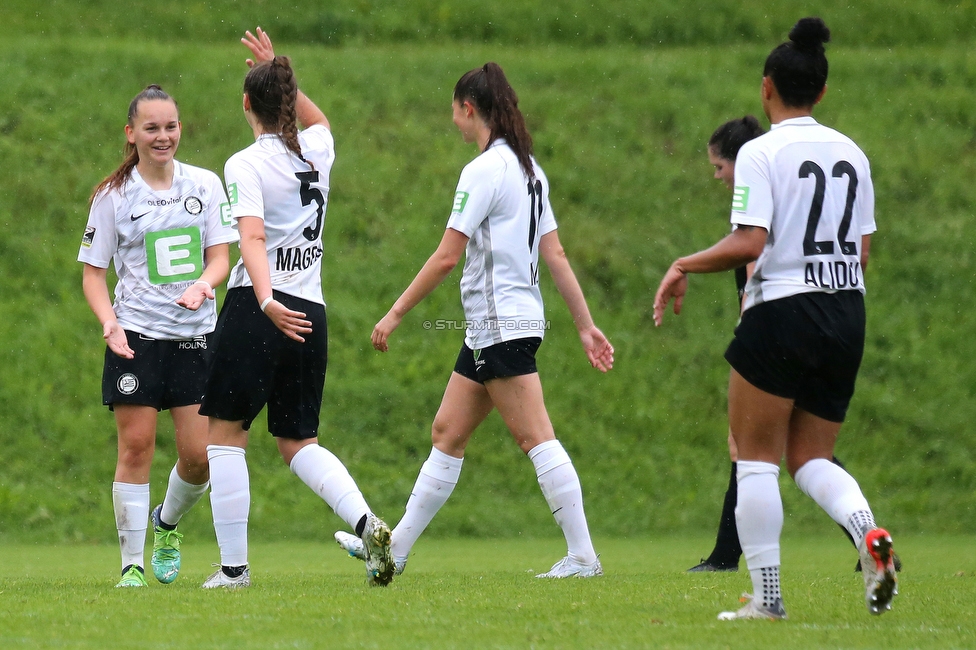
(798, 346)
(723, 147)
(162, 223)
(271, 338)
(503, 223)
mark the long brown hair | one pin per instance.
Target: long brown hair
(273, 91)
(489, 92)
(130, 156)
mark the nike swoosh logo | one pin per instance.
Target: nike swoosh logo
(135, 218)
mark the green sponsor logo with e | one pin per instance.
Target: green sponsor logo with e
(460, 199)
(232, 193)
(174, 255)
(740, 198)
(225, 214)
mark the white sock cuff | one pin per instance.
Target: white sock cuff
(548, 456)
(805, 474)
(133, 489)
(215, 451)
(442, 467)
(299, 457)
(175, 478)
(744, 468)
(544, 446)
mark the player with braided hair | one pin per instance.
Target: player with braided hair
(271, 337)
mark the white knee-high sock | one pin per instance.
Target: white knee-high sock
(434, 485)
(838, 494)
(230, 498)
(180, 497)
(131, 502)
(561, 487)
(759, 519)
(328, 477)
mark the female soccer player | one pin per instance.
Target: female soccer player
(502, 221)
(799, 344)
(271, 338)
(723, 147)
(161, 221)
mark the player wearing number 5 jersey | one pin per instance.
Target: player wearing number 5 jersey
(165, 226)
(804, 210)
(502, 222)
(271, 339)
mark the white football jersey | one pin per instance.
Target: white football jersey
(157, 240)
(504, 215)
(268, 181)
(810, 187)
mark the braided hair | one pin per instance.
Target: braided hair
(130, 155)
(489, 92)
(273, 91)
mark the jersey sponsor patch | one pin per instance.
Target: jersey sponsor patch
(740, 198)
(460, 199)
(88, 237)
(174, 255)
(225, 214)
(232, 193)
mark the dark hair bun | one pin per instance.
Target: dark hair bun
(810, 34)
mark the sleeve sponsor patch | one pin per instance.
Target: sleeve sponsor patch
(740, 198)
(88, 237)
(460, 198)
(232, 193)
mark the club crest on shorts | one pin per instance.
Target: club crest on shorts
(193, 205)
(128, 384)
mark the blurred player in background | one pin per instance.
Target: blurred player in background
(803, 206)
(162, 223)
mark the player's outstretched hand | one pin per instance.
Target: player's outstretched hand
(673, 285)
(598, 349)
(195, 295)
(292, 323)
(114, 336)
(383, 329)
(259, 45)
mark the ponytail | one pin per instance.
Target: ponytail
(489, 92)
(273, 92)
(130, 156)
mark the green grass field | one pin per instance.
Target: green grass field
(482, 594)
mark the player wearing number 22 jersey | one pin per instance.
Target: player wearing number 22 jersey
(823, 204)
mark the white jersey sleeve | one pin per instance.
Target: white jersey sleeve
(100, 241)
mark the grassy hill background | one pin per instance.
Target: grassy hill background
(621, 98)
